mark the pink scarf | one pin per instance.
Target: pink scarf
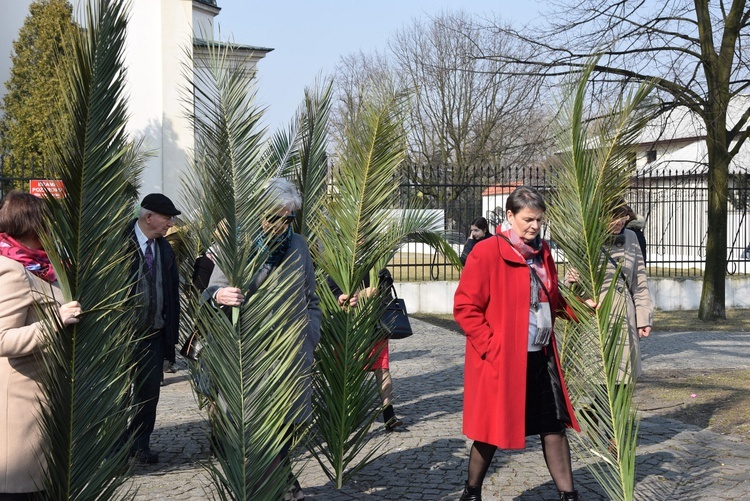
(532, 256)
(34, 260)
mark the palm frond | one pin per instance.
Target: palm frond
(251, 365)
(346, 400)
(88, 365)
(593, 169)
(310, 168)
(357, 232)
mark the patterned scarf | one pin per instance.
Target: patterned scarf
(34, 260)
(274, 246)
(540, 284)
(531, 253)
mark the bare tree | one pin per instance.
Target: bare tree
(467, 110)
(469, 115)
(692, 51)
(357, 76)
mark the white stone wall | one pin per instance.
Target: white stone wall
(159, 50)
(669, 294)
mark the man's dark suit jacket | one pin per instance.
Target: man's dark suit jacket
(171, 284)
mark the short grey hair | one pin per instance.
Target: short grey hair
(283, 193)
(142, 213)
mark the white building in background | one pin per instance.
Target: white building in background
(165, 40)
(672, 165)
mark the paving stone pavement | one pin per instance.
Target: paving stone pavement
(429, 459)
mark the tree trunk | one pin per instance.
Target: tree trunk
(713, 304)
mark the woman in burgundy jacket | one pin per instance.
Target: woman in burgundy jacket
(506, 303)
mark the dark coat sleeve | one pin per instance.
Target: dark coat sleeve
(467, 248)
(334, 287)
(202, 269)
(171, 279)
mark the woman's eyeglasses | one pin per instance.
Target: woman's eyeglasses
(274, 218)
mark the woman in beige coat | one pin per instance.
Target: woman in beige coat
(27, 282)
(632, 297)
(631, 285)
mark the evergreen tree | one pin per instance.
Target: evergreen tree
(33, 90)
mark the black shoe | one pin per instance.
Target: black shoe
(294, 493)
(144, 456)
(471, 493)
(393, 424)
(568, 496)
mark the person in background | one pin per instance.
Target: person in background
(381, 363)
(290, 260)
(506, 303)
(156, 283)
(29, 290)
(636, 225)
(633, 297)
(479, 231)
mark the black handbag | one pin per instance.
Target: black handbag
(394, 321)
(192, 347)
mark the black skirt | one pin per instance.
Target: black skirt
(541, 412)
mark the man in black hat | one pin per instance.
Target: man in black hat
(156, 284)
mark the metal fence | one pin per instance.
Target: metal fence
(675, 208)
(16, 175)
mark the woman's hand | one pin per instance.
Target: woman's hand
(571, 276)
(352, 299)
(592, 304)
(229, 296)
(69, 312)
(644, 331)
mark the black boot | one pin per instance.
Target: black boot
(471, 493)
(390, 419)
(568, 496)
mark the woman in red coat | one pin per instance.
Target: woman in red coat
(506, 302)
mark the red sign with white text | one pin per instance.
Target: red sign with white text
(43, 187)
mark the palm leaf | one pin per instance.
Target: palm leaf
(593, 171)
(310, 166)
(251, 366)
(346, 400)
(87, 366)
(357, 232)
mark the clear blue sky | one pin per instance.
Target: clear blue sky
(309, 37)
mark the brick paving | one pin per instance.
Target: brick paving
(428, 460)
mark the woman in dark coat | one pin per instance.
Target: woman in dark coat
(506, 303)
(479, 231)
(290, 261)
(380, 351)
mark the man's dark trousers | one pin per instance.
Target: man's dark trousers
(147, 385)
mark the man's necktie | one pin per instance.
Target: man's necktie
(149, 254)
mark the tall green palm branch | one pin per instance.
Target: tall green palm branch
(299, 152)
(249, 367)
(593, 171)
(88, 365)
(356, 231)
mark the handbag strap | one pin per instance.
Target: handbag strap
(622, 274)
